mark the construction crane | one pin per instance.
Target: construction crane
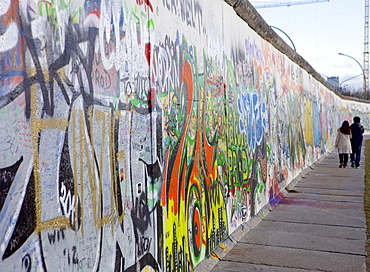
(288, 4)
(366, 50)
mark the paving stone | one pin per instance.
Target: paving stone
(319, 225)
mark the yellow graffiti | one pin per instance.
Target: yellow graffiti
(308, 122)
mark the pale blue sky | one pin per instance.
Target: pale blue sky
(320, 31)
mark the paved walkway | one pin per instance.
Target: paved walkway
(319, 226)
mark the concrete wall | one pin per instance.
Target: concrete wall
(138, 135)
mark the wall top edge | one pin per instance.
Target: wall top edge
(245, 10)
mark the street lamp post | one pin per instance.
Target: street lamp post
(286, 36)
(363, 73)
(348, 79)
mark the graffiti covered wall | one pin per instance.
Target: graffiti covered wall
(136, 135)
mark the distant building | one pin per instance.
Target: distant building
(333, 82)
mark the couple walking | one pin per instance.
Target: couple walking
(349, 141)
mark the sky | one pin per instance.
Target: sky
(321, 30)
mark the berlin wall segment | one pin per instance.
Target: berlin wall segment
(138, 135)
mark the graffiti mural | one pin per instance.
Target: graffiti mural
(135, 137)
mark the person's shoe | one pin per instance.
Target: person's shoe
(344, 166)
(340, 165)
(357, 167)
(352, 164)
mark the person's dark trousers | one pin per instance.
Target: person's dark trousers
(343, 159)
(356, 155)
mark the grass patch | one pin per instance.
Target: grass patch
(367, 202)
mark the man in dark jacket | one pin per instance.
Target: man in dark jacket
(357, 130)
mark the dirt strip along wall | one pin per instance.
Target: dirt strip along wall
(137, 135)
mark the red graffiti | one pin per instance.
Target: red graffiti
(146, 2)
(147, 52)
(174, 187)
